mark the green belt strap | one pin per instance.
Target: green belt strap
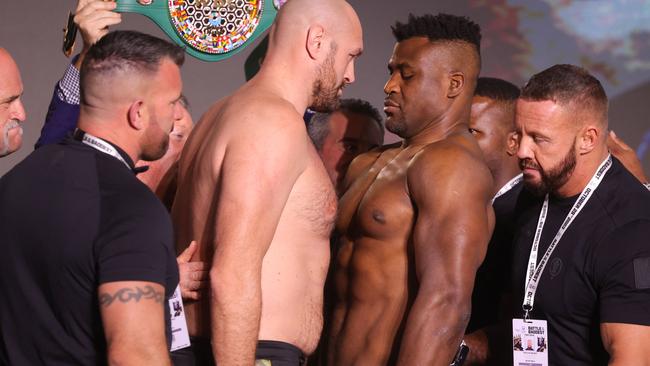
(210, 30)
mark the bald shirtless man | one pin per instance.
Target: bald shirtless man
(416, 217)
(255, 195)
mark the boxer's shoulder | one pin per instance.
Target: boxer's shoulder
(451, 161)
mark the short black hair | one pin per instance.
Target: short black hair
(497, 89)
(318, 123)
(127, 50)
(441, 27)
(362, 107)
(566, 84)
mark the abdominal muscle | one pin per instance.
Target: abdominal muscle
(372, 307)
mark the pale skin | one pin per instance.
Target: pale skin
(414, 225)
(133, 317)
(11, 105)
(255, 195)
(134, 330)
(93, 17)
(546, 128)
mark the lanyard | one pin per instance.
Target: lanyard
(506, 188)
(534, 273)
(103, 146)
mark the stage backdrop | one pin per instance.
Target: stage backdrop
(611, 38)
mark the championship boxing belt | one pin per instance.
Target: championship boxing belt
(210, 30)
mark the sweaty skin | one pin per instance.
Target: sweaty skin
(255, 195)
(414, 223)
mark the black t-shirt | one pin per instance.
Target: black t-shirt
(598, 273)
(72, 218)
(493, 276)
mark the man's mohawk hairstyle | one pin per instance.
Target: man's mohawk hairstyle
(441, 27)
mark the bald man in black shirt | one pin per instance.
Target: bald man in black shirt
(88, 259)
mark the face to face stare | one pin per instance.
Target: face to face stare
(337, 69)
(163, 108)
(12, 112)
(350, 134)
(547, 145)
(491, 122)
(416, 91)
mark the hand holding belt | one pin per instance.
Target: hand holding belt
(210, 30)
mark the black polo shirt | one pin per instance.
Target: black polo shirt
(493, 276)
(72, 218)
(598, 273)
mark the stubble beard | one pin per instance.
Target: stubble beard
(325, 91)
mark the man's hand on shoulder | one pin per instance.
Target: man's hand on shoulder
(626, 155)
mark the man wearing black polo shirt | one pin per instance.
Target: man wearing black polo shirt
(87, 255)
(581, 270)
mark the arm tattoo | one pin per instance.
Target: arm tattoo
(129, 294)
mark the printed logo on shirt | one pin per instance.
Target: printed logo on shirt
(556, 267)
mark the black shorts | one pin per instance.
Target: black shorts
(268, 353)
(275, 353)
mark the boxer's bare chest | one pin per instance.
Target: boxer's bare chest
(377, 204)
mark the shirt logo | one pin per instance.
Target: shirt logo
(556, 267)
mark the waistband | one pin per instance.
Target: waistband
(279, 353)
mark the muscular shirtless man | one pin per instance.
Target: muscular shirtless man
(416, 217)
(254, 193)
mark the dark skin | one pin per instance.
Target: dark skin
(492, 123)
(415, 218)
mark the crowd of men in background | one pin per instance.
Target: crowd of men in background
(500, 206)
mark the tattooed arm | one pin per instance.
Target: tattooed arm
(134, 324)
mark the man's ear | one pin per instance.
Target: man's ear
(512, 143)
(136, 115)
(588, 138)
(456, 84)
(315, 41)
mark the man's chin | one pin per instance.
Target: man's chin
(535, 187)
(395, 126)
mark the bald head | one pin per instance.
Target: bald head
(296, 17)
(312, 49)
(12, 112)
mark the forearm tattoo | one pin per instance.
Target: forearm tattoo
(129, 294)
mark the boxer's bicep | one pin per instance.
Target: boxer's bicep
(256, 177)
(452, 227)
(449, 238)
(255, 182)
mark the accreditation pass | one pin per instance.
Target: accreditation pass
(529, 342)
(180, 335)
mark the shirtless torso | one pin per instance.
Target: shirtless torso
(383, 246)
(235, 173)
